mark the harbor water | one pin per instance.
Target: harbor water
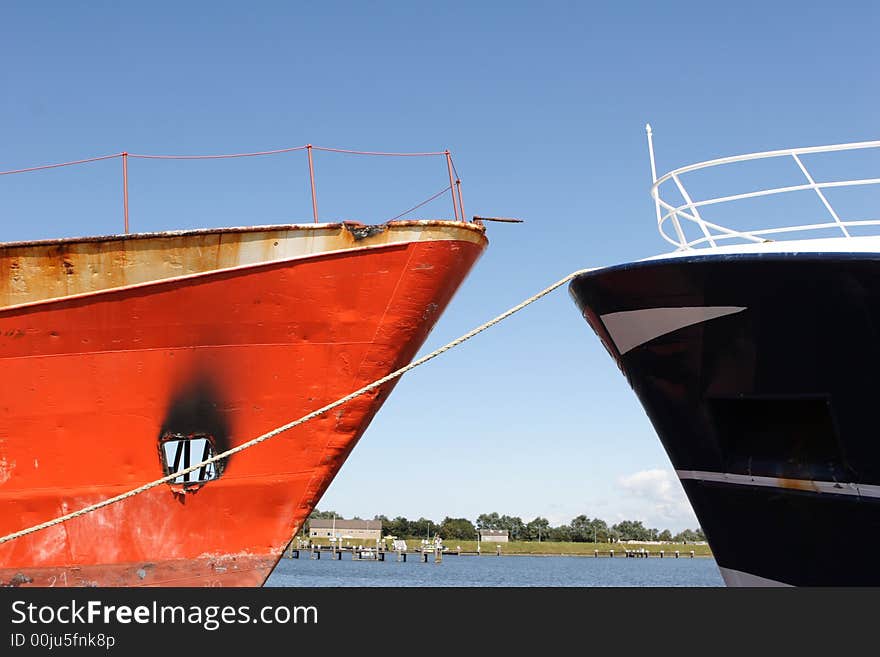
(485, 571)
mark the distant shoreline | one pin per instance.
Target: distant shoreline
(668, 554)
(550, 548)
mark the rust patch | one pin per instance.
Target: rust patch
(361, 231)
(6, 468)
(48, 270)
(797, 484)
(17, 580)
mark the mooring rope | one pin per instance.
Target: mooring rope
(305, 418)
(425, 202)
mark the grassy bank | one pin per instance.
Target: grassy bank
(577, 549)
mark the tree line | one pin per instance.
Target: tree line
(580, 529)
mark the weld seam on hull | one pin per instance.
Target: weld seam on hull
(124, 486)
(247, 345)
(403, 272)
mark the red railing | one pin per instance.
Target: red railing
(454, 186)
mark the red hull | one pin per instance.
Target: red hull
(92, 382)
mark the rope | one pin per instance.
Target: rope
(216, 157)
(62, 164)
(275, 152)
(425, 202)
(351, 152)
(305, 418)
(143, 156)
(454, 170)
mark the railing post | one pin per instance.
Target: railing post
(125, 189)
(818, 191)
(451, 184)
(312, 180)
(460, 202)
(655, 192)
(694, 212)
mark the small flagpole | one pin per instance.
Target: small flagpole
(653, 170)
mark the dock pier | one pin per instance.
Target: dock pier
(361, 553)
(367, 554)
(641, 553)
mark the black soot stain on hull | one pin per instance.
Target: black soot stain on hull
(195, 408)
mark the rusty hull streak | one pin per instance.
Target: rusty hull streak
(51, 269)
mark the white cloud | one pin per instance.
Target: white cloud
(666, 502)
(655, 483)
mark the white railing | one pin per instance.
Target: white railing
(688, 217)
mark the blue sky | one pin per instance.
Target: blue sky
(543, 106)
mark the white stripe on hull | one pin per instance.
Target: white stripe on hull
(631, 328)
(739, 578)
(832, 487)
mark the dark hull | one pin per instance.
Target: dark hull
(758, 374)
